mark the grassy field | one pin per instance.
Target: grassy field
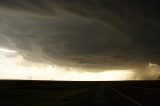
(48, 93)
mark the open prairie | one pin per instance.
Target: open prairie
(73, 93)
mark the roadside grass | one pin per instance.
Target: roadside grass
(33, 97)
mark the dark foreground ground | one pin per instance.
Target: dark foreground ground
(61, 93)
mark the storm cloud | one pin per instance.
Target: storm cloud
(93, 34)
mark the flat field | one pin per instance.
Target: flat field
(77, 93)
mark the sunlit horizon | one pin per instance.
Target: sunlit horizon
(13, 66)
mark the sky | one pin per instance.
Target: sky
(79, 39)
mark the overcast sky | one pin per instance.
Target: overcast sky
(92, 35)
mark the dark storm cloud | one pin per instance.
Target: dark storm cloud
(83, 33)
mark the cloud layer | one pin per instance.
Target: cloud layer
(90, 34)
